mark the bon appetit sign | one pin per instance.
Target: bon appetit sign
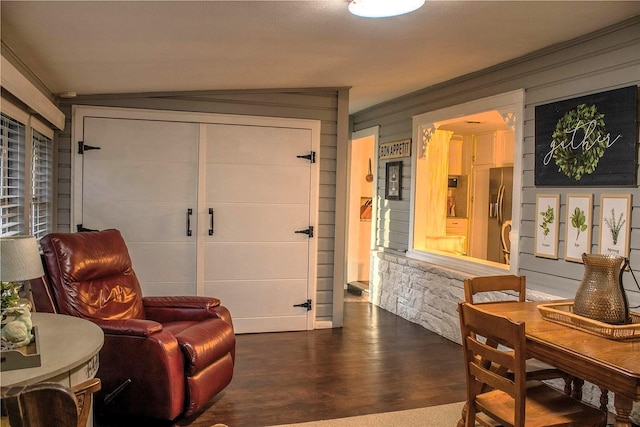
(588, 141)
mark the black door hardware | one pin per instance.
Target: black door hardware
(311, 157)
(306, 305)
(82, 147)
(81, 228)
(211, 225)
(189, 213)
(308, 231)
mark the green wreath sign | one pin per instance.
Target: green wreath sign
(575, 162)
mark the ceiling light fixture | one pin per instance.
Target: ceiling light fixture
(383, 8)
(67, 95)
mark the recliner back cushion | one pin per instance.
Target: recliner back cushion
(92, 275)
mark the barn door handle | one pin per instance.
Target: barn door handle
(189, 213)
(211, 224)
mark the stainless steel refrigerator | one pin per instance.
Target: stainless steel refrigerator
(500, 199)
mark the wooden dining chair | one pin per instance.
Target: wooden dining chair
(485, 289)
(49, 404)
(511, 400)
(489, 286)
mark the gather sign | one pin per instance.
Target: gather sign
(587, 141)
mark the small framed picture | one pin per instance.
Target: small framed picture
(546, 234)
(393, 181)
(578, 226)
(615, 224)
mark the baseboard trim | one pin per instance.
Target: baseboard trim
(324, 324)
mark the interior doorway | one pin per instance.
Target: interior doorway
(363, 188)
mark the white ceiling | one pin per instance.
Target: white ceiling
(98, 47)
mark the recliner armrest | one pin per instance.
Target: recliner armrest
(171, 309)
(131, 327)
(181, 302)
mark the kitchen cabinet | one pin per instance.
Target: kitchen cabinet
(457, 232)
(457, 226)
(495, 149)
(483, 149)
(504, 148)
(455, 157)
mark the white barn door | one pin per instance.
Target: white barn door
(259, 259)
(143, 180)
(208, 205)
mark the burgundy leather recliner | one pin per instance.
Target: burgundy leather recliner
(178, 351)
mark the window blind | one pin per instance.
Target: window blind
(41, 185)
(12, 173)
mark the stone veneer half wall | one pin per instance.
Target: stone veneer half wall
(428, 295)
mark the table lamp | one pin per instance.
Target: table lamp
(19, 261)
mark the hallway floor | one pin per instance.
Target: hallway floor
(351, 297)
(357, 292)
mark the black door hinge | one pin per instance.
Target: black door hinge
(306, 305)
(308, 231)
(311, 157)
(82, 147)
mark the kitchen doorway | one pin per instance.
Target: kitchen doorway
(467, 173)
(363, 189)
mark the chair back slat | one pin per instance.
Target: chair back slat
(485, 284)
(492, 378)
(490, 357)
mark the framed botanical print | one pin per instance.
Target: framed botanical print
(615, 224)
(578, 226)
(546, 234)
(393, 181)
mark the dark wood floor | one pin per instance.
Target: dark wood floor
(377, 362)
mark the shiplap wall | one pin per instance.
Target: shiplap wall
(604, 60)
(317, 104)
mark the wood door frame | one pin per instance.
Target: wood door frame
(80, 112)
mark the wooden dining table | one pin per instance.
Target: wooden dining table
(612, 365)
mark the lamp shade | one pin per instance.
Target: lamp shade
(19, 259)
(383, 8)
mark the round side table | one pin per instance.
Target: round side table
(68, 348)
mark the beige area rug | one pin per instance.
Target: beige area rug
(433, 416)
